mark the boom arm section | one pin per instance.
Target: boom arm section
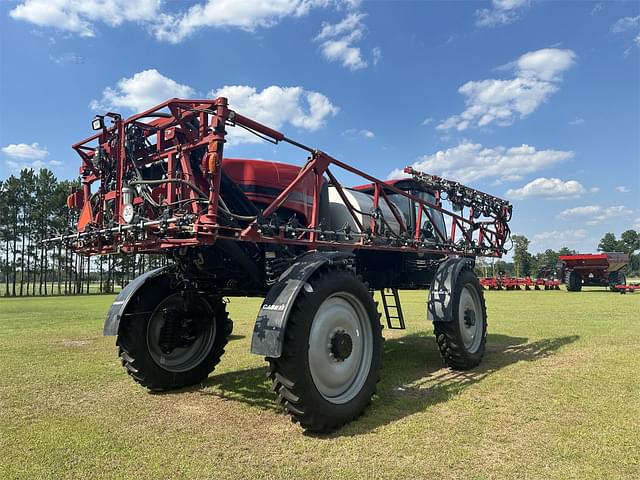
(159, 183)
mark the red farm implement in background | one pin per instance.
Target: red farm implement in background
(527, 283)
(600, 269)
(315, 249)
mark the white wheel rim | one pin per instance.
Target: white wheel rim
(338, 379)
(470, 318)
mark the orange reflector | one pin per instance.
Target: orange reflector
(213, 160)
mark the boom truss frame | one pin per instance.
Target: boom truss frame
(174, 129)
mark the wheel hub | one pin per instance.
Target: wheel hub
(469, 318)
(178, 331)
(340, 345)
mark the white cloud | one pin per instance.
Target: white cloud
(626, 23)
(80, 16)
(503, 12)
(579, 211)
(275, 106)
(623, 189)
(350, 23)
(243, 14)
(557, 239)
(342, 51)
(376, 54)
(24, 155)
(352, 132)
(469, 162)
(609, 213)
(576, 121)
(338, 42)
(24, 151)
(537, 76)
(549, 188)
(596, 8)
(428, 120)
(563, 234)
(594, 214)
(545, 64)
(67, 58)
(140, 92)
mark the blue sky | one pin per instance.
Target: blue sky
(538, 102)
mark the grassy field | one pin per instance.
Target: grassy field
(558, 396)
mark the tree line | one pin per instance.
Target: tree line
(33, 208)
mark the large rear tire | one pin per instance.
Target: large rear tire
(332, 353)
(175, 342)
(462, 339)
(573, 282)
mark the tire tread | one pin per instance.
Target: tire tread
(284, 371)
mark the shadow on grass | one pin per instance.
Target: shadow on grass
(413, 377)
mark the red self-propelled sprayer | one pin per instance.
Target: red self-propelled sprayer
(159, 182)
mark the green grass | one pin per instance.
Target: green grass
(557, 396)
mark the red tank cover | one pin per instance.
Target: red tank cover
(262, 181)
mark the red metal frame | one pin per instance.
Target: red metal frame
(626, 288)
(177, 134)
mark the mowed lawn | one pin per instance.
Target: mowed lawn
(557, 396)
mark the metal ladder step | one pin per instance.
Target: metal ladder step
(390, 302)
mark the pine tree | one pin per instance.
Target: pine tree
(521, 256)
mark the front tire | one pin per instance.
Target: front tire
(174, 343)
(462, 339)
(332, 353)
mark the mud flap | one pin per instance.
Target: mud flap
(268, 331)
(439, 303)
(119, 305)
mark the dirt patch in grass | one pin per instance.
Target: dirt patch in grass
(74, 343)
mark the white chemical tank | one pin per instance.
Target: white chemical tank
(363, 205)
